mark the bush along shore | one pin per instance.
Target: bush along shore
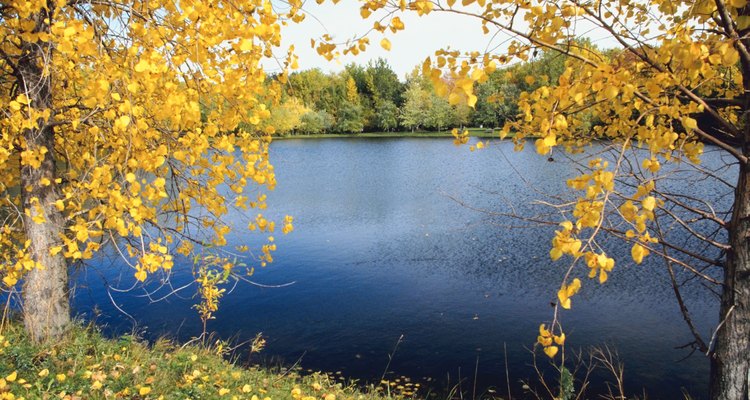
(86, 365)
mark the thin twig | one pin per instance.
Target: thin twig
(390, 356)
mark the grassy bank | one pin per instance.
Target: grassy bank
(85, 365)
(473, 132)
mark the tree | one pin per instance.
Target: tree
(440, 114)
(385, 83)
(316, 122)
(497, 100)
(287, 115)
(674, 63)
(102, 141)
(349, 118)
(375, 84)
(416, 104)
(312, 87)
(386, 115)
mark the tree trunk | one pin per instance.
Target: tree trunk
(730, 364)
(46, 305)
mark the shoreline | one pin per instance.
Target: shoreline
(473, 132)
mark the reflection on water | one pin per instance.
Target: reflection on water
(382, 248)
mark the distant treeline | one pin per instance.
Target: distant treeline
(371, 98)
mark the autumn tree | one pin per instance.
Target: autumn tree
(286, 116)
(316, 122)
(416, 102)
(672, 64)
(313, 87)
(119, 121)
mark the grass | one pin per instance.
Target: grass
(85, 365)
(474, 132)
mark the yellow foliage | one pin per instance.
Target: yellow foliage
(549, 341)
(567, 291)
(148, 117)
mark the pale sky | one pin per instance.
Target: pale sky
(420, 39)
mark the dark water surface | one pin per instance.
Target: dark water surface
(380, 250)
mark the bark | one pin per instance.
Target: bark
(46, 306)
(730, 362)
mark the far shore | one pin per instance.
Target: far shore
(473, 132)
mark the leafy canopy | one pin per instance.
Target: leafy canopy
(146, 99)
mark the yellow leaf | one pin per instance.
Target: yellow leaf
(550, 140)
(551, 351)
(477, 74)
(386, 44)
(649, 203)
(562, 295)
(141, 275)
(544, 340)
(454, 98)
(69, 31)
(245, 45)
(543, 330)
(541, 147)
(731, 57)
(651, 165)
(9, 280)
(574, 287)
(142, 65)
(638, 252)
(578, 98)
(610, 92)
(689, 123)
(122, 122)
(560, 340)
(144, 390)
(602, 276)
(12, 377)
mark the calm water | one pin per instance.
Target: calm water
(381, 249)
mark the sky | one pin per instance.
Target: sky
(420, 39)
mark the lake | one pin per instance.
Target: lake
(389, 243)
